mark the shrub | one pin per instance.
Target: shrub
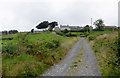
(65, 31)
(43, 47)
(10, 50)
(87, 34)
(23, 39)
(77, 30)
(32, 30)
(91, 38)
(70, 35)
(51, 44)
(60, 33)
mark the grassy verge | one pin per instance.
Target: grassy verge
(105, 47)
(32, 54)
(100, 32)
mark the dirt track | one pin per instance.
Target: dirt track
(80, 61)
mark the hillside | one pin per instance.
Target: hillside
(32, 54)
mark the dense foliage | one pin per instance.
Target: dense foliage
(106, 50)
(30, 54)
(52, 25)
(66, 33)
(99, 24)
(32, 30)
(46, 24)
(42, 25)
(9, 32)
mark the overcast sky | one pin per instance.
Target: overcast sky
(23, 15)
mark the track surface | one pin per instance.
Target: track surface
(87, 65)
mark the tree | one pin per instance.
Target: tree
(32, 30)
(50, 29)
(86, 28)
(99, 24)
(65, 31)
(13, 31)
(43, 25)
(4, 32)
(52, 25)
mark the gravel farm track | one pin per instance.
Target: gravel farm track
(80, 61)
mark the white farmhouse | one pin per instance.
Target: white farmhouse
(63, 27)
(56, 28)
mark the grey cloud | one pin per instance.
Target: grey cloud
(26, 15)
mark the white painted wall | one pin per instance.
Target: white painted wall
(63, 28)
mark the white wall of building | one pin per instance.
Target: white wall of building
(63, 28)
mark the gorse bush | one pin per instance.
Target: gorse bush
(43, 47)
(52, 44)
(39, 47)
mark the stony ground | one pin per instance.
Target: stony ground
(80, 61)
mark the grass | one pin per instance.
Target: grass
(9, 36)
(33, 37)
(45, 36)
(25, 64)
(105, 49)
(69, 42)
(97, 33)
(77, 33)
(34, 65)
(21, 65)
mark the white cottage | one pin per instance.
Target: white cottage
(63, 27)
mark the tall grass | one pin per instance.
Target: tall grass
(32, 54)
(105, 48)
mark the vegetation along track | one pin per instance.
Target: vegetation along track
(80, 61)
